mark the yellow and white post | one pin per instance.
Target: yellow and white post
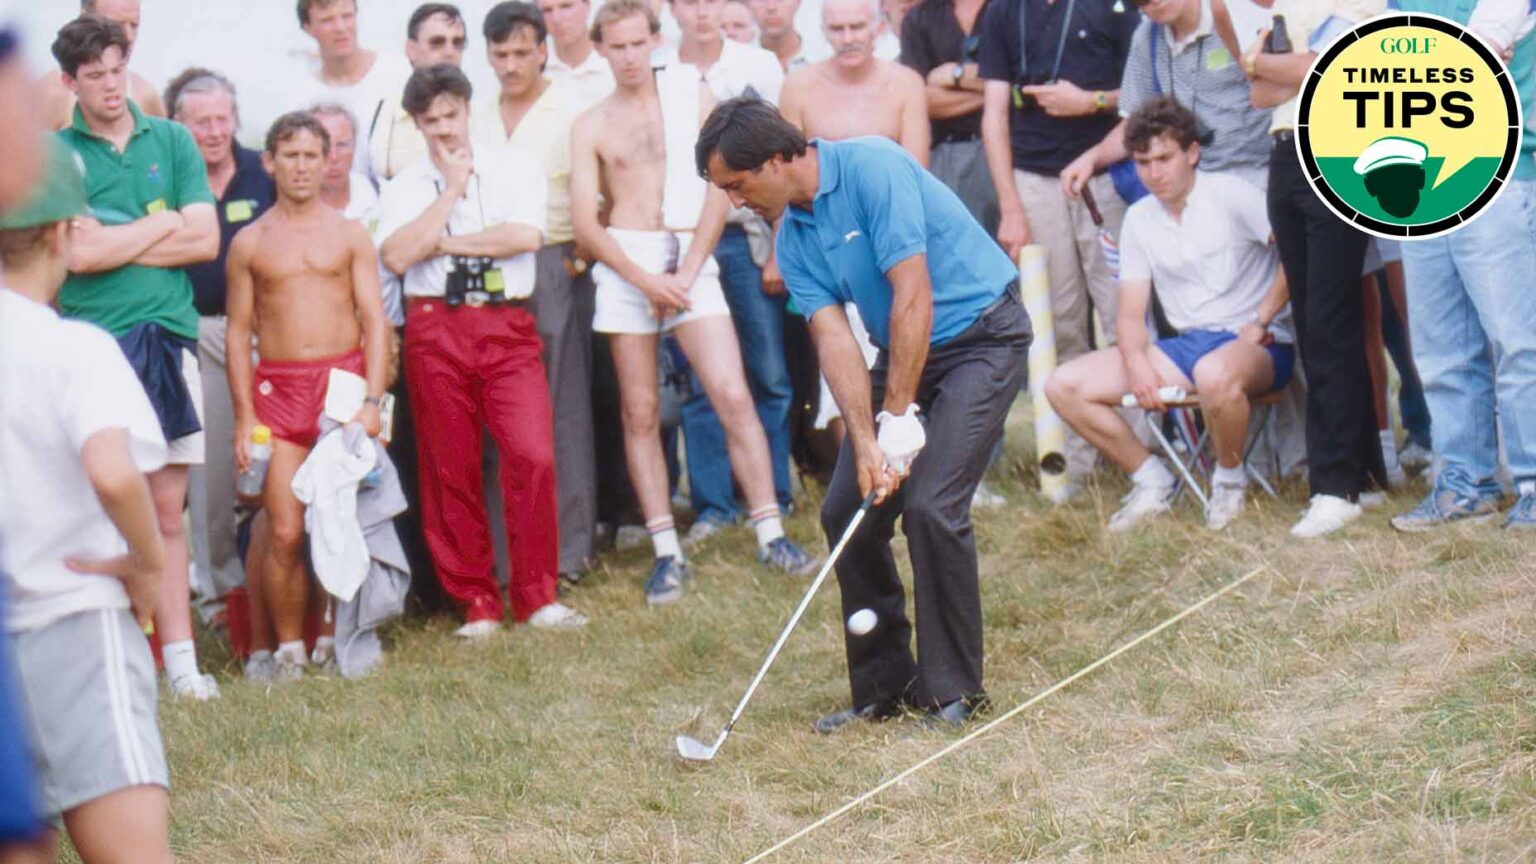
(1050, 433)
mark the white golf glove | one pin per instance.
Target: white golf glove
(901, 438)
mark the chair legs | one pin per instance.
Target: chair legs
(1186, 465)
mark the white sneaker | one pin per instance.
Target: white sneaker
(1415, 458)
(984, 498)
(1325, 515)
(1372, 500)
(1143, 501)
(259, 667)
(1227, 501)
(199, 687)
(557, 616)
(287, 668)
(1065, 492)
(475, 630)
(1397, 478)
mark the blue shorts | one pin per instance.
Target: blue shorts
(1186, 349)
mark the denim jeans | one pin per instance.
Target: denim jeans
(1473, 320)
(759, 321)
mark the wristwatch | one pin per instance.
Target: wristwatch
(957, 75)
(1100, 100)
(375, 401)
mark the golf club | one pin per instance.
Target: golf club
(695, 750)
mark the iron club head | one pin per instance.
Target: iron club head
(695, 750)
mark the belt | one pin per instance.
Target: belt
(956, 138)
(1010, 291)
(471, 301)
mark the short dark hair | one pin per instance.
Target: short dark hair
(427, 10)
(84, 40)
(1158, 117)
(510, 15)
(293, 123)
(430, 82)
(747, 133)
(305, 6)
(613, 11)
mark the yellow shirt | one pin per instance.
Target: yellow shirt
(1303, 21)
(544, 132)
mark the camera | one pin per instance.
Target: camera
(467, 283)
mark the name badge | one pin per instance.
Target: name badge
(373, 227)
(495, 283)
(154, 206)
(238, 211)
(1217, 59)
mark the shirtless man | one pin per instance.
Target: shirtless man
(854, 92)
(305, 281)
(656, 274)
(55, 101)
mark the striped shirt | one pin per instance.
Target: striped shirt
(1203, 76)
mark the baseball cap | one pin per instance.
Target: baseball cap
(59, 193)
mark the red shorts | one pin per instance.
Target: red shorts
(289, 395)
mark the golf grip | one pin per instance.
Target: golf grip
(853, 525)
(1092, 205)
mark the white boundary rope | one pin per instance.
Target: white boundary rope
(998, 721)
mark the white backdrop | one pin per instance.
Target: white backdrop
(259, 45)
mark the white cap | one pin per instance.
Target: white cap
(1391, 151)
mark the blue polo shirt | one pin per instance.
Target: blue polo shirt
(249, 195)
(876, 207)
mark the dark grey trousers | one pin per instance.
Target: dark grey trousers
(962, 166)
(562, 309)
(967, 388)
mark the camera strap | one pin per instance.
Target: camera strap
(1061, 44)
(479, 204)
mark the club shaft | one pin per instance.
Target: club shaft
(853, 525)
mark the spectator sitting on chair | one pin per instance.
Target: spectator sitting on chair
(1204, 240)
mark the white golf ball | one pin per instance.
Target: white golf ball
(862, 622)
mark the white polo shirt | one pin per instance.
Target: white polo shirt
(508, 186)
(1212, 267)
(64, 381)
(376, 93)
(590, 82)
(740, 66)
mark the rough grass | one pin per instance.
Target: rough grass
(1367, 698)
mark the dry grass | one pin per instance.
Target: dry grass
(1368, 698)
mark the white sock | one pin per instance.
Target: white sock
(1389, 449)
(180, 659)
(293, 650)
(1225, 476)
(664, 537)
(1152, 473)
(767, 523)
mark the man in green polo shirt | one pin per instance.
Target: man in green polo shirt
(151, 214)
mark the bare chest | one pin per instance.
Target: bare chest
(869, 109)
(291, 255)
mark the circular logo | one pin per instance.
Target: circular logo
(1408, 126)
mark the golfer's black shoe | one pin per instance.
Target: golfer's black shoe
(959, 712)
(874, 713)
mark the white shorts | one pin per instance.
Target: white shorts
(827, 410)
(623, 308)
(189, 449)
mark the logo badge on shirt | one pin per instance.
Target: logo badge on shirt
(154, 172)
(1408, 126)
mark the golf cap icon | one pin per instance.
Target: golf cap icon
(1393, 169)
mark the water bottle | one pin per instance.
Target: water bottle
(1279, 40)
(250, 481)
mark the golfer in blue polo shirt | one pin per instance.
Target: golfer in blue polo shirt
(864, 223)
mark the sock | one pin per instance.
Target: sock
(1152, 473)
(293, 650)
(1389, 449)
(325, 649)
(1225, 476)
(767, 523)
(664, 537)
(180, 659)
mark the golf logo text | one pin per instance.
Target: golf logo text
(1408, 126)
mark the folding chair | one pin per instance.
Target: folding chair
(1196, 439)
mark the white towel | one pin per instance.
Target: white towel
(327, 485)
(683, 199)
